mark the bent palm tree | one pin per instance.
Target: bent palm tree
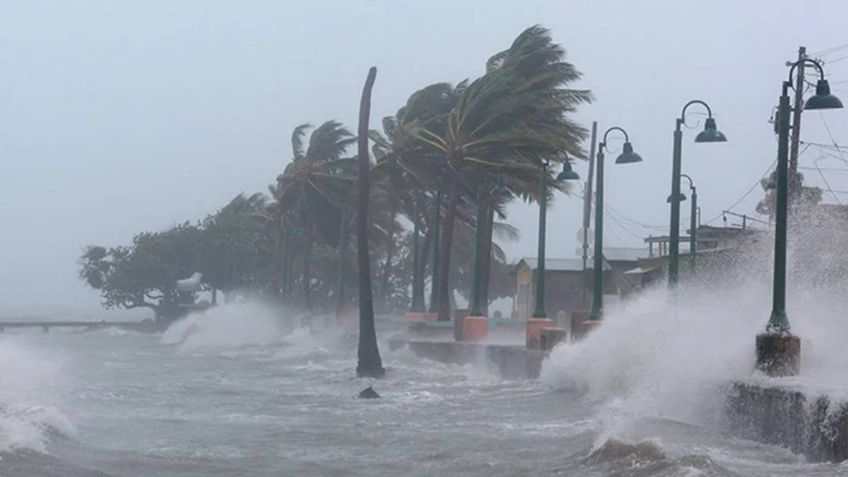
(369, 362)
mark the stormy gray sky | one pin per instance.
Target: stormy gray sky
(121, 116)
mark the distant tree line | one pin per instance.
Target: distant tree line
(488, 139)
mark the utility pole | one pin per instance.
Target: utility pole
(587, 214)
(587, 196)
(795, 139)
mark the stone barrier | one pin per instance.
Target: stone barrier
(812, 425)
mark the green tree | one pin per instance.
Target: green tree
(506, 122)
(145, 273)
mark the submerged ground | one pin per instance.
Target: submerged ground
(217, 397)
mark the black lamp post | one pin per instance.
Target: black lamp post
(566, 174)
(779, 351)
(709, 134)
(539, 309)
(627, 156)
(693, 219)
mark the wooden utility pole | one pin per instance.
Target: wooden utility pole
(795, 138)
(587, 215)
(587, 196)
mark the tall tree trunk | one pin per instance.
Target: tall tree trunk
(444, 288)
(390, 253)
(486, 269)
(369, 364)
(417, 260)
(307, 271)
(287, 262)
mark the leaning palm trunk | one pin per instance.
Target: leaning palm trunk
(444, 289)
(307, 272)
(486, 269)
(418, 261)
(370, 364)
(388, 266)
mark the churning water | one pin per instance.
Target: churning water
(241, 391)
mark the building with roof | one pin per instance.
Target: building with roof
(568, 284)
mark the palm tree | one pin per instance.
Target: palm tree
(508, 122)
(398, 153)
(369, 362)
(313, 189)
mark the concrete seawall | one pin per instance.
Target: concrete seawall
(806, 423)
(509, 361)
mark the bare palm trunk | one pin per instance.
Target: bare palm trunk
(444, 288)
(370, 364)
(390, 254)
(307, 272)
(417, 262)
(486, 269)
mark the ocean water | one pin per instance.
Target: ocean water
(247, 391)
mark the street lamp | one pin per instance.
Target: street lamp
(693, 219)
(566, 174)
(709, 134)
(779, 351)
(540, 319)
(627, 156)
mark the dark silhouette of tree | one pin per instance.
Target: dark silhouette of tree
(370, 364)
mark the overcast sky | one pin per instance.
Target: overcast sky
(117, 117)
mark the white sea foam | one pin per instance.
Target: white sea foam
(240, 326)
(669, 355)
(31, 384)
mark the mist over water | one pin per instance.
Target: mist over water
(250, 389)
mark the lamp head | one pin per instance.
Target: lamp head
(823, 99)
(680, 197)
(710, 133)
(627, 155)
(567, 173)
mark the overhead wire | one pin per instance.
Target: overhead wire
(746, 194)
(826, 183)
(830, 51)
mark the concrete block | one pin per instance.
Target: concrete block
(550, 337)
(534, 330)
(778, 354)
(475, 328)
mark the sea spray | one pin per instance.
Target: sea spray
(672, 354)
(226, 326)
(31, 386)
(662, 355)
(244, 326)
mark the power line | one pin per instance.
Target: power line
(826, 183)
(834, 170)
(821, 144)
(830, 134)
(748, 192)
(634, 222)
(623, 227)
(830, 51)
(836, 60)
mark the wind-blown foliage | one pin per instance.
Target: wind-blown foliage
(447, 138)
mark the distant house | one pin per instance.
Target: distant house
(568, 285)
(716, 247)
